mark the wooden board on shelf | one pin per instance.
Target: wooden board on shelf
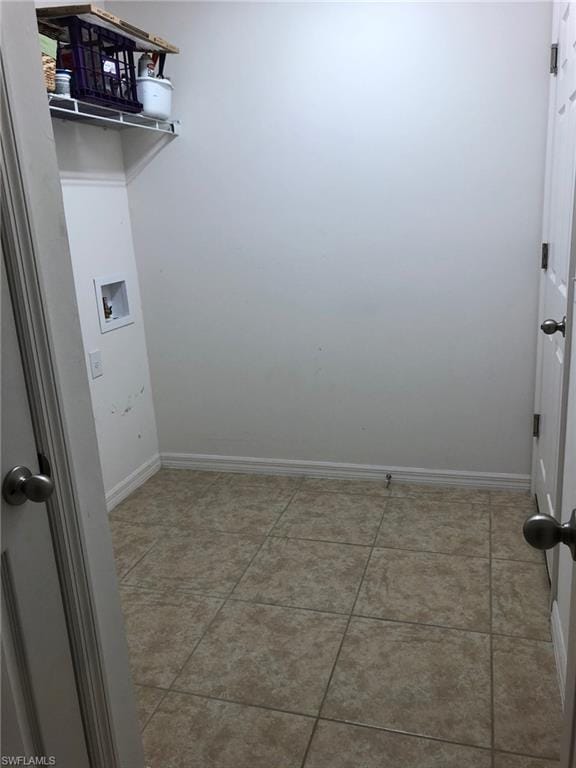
(145, 41)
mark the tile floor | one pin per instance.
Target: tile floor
(278, 622)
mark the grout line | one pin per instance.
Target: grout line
(539, 563)
(484, 633)
(160, 700)
(270, 531)
(172, 595)
(202, 635)
(346, 492)
(464, 556)
(414, 735)
(410, 734)
(529, 638)
(154, 687)
(131, 568)
(241, 702)
(180, 529)
(319, 541)
(324, 611)
(297, 480)
(210, 484)
(440, 498)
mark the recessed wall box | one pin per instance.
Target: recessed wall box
(113, 300)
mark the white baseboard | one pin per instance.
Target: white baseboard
(332, 469)
(559, 648)
(92, 179)
(134, 480)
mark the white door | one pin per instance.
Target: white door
(564, 611)
(555, 285)
(40, 709)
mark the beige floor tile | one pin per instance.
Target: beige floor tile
(441, 493)
(362, 487)
(239, 509)
(131, 542)
(428, 525)
(421, 680)
(171, 480)
(520, 599)
(336, 745)
(153, 507)
(278, 482)
(305, 574)
(262, 654)
(527, 712)
(162, 630)
(335, 517)
(225, 493)
(517, 761)
(204, 561)
(512, 498)
(147, 700)
(508, 542)
(427, 588)
(192, 732)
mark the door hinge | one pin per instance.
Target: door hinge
(536, 425)
(554, 59)
(545, 251)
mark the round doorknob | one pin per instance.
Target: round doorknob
(551, 326)
(21, 485)
(544, 532)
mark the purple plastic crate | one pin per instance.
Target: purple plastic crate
(102, 64)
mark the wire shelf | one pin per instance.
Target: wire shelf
(72, 109)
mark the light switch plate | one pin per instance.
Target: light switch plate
(96, 364)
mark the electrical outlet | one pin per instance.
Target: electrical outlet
(96, 364)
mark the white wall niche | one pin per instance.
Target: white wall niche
(115, 289)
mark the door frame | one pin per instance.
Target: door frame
(41, 283)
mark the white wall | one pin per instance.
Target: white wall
(99, 232)
(339, 256)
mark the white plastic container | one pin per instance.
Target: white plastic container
(63, 77)
(155, 95)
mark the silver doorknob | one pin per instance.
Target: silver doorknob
(21, 485)
(553, 326)
(544, 532)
